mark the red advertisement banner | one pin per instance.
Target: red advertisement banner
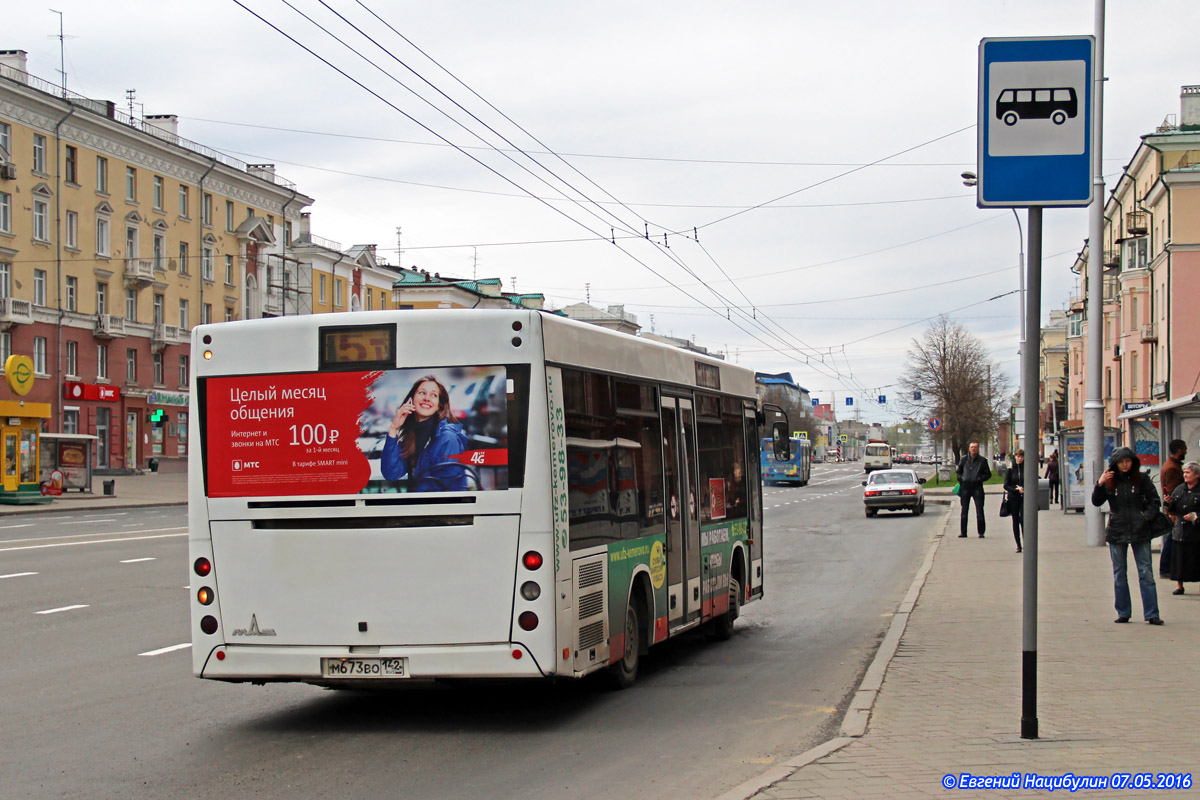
(349, 432)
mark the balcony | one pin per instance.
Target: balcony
(1136, 223)
(1078, 303)
(110, 326)
(1149, 332)
(14, 312)
(1116, 354)
(139, 271)
(1112, 260)
(167, 334)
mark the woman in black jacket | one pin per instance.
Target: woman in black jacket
(1014, 491)
(1130, 495)
(1184, 505)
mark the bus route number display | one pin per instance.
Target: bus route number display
(358, 346)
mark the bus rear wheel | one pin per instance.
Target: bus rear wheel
(722, 627)
(1010, 118)
(625, 671)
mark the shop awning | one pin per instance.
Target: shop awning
(1186, 400)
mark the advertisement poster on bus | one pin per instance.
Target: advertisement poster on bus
(402, 430)
(1077, 494)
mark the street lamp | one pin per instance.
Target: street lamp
(971, 179)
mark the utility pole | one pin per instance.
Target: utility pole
(1093, 406)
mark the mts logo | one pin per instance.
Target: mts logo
(241, 465)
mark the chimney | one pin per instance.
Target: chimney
(1189, 107)
(167, 123)
(264, 171)
(12, 65)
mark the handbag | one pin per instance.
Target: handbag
(1160, 523)
(957, 487)
(1004, 512)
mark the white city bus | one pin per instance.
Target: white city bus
(575, 496)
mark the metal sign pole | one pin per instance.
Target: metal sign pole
(1029, 510)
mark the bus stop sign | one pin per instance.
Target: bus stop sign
(1035, 122)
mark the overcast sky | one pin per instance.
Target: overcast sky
(815, 149)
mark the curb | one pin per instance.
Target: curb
(858, 715)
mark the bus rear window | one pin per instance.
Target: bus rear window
(369, 432)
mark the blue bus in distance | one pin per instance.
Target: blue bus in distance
(797, 470)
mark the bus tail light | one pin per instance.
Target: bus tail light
(532, 560)
(208, 624)
(202, 567)
(204, 596)
(530, 590)
(528, 620)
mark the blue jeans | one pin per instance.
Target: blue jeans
(1141, 558)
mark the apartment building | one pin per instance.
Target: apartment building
(1150, 255)
(116, 237)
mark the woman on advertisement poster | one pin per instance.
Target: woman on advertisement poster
(421, 440)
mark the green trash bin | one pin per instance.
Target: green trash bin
(152, 463)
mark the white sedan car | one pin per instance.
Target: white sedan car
(894, 490)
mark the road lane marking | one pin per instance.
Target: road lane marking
(17, 575)
(93, 533)
(23, 525)
(56, 610)
(162, 650)
(95, 541)
(86, 521)
(137, 560)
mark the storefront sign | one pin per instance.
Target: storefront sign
(168, 399)
(18, 370)
(73, 390)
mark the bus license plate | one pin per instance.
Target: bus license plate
(363, 668)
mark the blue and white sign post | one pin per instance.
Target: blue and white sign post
(1035, 139)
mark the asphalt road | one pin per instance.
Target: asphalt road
(98, 698)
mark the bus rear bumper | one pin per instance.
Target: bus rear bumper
(259, 663)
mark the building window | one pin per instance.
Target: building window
(249, 213)
(183, 258)
(229, 215)
(183, 200)
(1133, 372)
(131, 184)
(5, 281)
(5, 212)
(321, 284)
(70, 421)
(39, 355)
(39, 287)
(102, 174)
(1133, 312)
(206, 209)
(39, 153)
(102, 236)
(183, 370)
(72, 297)
(102, 361)
(71, 234)
(229, 270)
(73, 359)
(158, 193)
(370, 299)
(158, 309)
(101, 298)
(337, 292)
(206, 263)
(206, 314)
(5, 347)
(131, 365)
(160, 250)
(71, 165)
(1107, 382)
(41, 220)
(287, 233)
(229, 313)
(183, 314)
(6, 137)
(131, 305)
(158, 369)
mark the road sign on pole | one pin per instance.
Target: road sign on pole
(935, 424)
(1035, 121)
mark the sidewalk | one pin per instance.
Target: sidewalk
(1111, 698)
(168, 486)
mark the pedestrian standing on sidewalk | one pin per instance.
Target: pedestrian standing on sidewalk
(1054, 478)
(1130, 495)
(973, 472)
(1014, 495)
(1171, 477)
(1184, 505)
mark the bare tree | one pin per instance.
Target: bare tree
(951, 369)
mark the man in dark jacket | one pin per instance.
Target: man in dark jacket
(1171, 476)
(973, 472)
(1130, 496)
